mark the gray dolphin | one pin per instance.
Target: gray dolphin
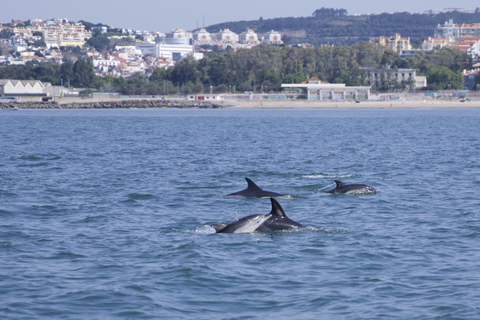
(352, 188)
(275, 220)
(253, 191)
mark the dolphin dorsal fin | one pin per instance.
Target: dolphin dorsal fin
(277, 209)
(252, 185)
(339, 184)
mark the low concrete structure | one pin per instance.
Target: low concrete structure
(320, 90)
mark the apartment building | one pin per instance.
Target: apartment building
(244, 40)
(378, 78)
(450, 29)
(395, 43)
(61, 33)
(470, 45)
(227, 37)
(272, 38)
(249, 37)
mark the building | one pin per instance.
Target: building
(321, 90)
(470, 45)
(435, 43)
(180, 34)
(19, 88)
(147, 48)
(395, 43)
(202, 37)
(249, 37)
(450, 29)
(470, 79)
(61, 33)
(381, 78)
(174, 52)
(227, 37)
(273, 38)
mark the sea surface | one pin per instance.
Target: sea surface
(106, 214)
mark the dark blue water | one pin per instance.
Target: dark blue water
(106, 214)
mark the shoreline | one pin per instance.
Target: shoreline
(394, 104)
(125, 103)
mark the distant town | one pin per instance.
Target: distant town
(34, 42)
(40, 41)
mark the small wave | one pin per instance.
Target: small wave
(206, 229)
(330, 175)
(288, 197)
(322, 229)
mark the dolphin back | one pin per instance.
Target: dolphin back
(274, 221)
(252, 191)
(352, 188)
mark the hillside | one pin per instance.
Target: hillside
(348, 30)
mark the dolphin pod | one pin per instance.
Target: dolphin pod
(273, 221)
(277, 219)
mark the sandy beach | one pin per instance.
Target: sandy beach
(473, 102)
(406, 104)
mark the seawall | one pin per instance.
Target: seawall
(115, 104)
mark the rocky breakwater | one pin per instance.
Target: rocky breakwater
(119, 104)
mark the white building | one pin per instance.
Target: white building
(147, 48)
(450, 29)
(227, 37)
(174, 52)
(202, 37)
(273, 37)
(180, 34)
(16, 88)
(249, 37)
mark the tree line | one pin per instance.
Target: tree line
(79, 74)
(262, 68)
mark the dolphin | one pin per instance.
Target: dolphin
(352, 188)
(253, 191)
(275, 220)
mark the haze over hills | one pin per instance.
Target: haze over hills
(335, 26)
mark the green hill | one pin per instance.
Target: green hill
(335, 27)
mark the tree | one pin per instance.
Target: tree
(329, 13)
(161, 74)
(83, 74)
(298, 77)
(6, 34)
(389, 57)
(444, 78)
(66, 71)
(185, 70)
(100, 42)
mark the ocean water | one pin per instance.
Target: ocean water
(106, 214)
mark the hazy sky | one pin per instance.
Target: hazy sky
(164, 16)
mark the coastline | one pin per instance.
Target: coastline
(393, 104)
(157, 102)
